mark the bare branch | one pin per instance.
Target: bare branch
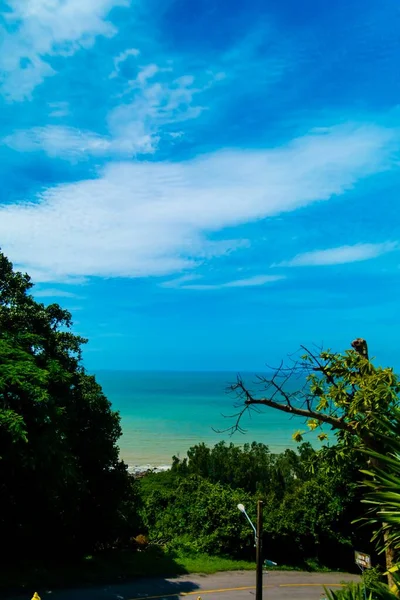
(287, 407)
(236, 427)
(301, 402)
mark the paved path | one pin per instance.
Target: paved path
(237, 585)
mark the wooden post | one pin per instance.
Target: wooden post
(259, 560)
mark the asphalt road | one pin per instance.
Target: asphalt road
(236, 585)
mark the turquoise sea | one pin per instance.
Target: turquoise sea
(164, 413)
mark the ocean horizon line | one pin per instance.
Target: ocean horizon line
(180, 371)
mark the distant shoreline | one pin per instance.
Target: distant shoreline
(140, 470)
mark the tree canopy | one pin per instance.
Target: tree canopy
(308, 512)
(344, 392)
(62, 483)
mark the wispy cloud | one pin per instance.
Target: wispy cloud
(54, 293)
(58, 141)
(149, 218)
(255, 281)
(39, 29)
(341, 255)
(178, 282)
(184, 282)
(59, 109)
(121, 58)
(156, 99)
(155, 103)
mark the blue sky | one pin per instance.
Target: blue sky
(205, 185)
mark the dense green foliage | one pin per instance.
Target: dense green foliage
(382, 493)
(379, 591)
(309, 504)
(369, 589)
(63, 486)
(193, 515)
(252, 468)
(382, 496)
(345, 391)
(350, 388)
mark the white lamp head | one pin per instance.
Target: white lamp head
(241, 508)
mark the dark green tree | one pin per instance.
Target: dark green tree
(63, 486)
(248, 467)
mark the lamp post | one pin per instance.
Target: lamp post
(258, 541)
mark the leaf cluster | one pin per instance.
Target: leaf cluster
(63, 487)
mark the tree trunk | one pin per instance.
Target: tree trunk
(390, 559)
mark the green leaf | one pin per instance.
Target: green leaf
(297, 436)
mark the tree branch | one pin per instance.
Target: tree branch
(335, 422)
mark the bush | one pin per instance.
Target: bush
(372, 577)
(307, 511)
(195, 515)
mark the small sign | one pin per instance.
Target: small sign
(270, 563)
(362, 560)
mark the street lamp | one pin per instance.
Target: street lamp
(258, 541)
(243, 510)
(258, 545)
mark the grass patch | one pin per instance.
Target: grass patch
(123, 565)
(113, 567)
(202, 563)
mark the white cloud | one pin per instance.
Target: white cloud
(149, 218)
(254, 281)
(340, 255)
(59, 141)
(257, 280)
(121, 58)
(43, 275)
(38, 29)
(59, 109)
(179, 281)
(156, 98)
(54, 293)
